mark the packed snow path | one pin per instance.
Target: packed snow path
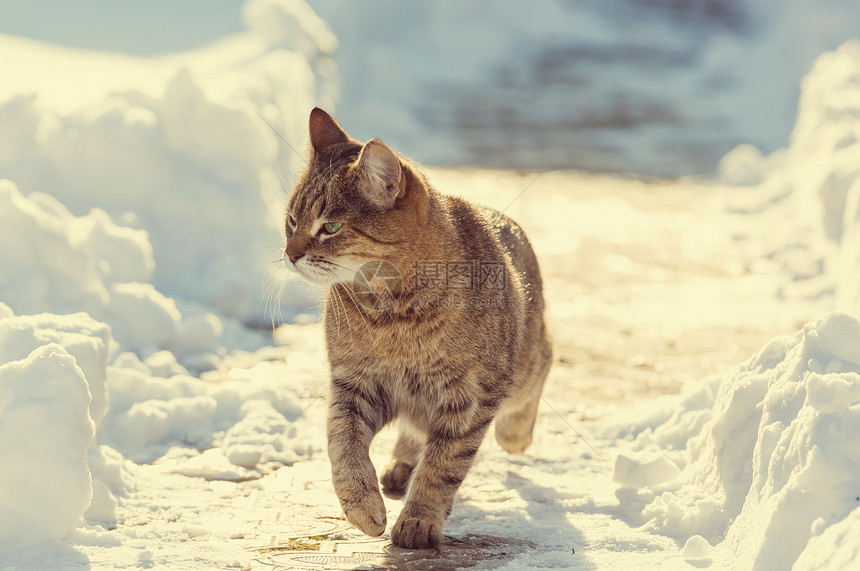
(645, 292)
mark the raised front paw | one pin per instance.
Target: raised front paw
(367, 512)
(394, 480)
(416, 533)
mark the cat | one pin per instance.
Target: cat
(433, 317)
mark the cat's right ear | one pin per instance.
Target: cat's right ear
(383, 180)
(325, 131)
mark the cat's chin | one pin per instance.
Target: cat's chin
(317, 277)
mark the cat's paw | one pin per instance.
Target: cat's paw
(416, 533)
(366, 513)
(395, 479)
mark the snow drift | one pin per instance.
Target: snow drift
(194, 148)
(143, 201)
(56, 262)
(769, 455)
(813, 186)
(45, 432)
(49, 415)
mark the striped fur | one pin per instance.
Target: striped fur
(444, 364)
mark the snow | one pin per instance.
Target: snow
(58, 262)
(771, 457)
(186, 147)
(142, 424)
(151, 414)
(697, 548)
(634, 86)
(45, 432)
(86, 340)
(813, 187)
(634, 473)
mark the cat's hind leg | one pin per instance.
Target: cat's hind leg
(406, 452)
(516, 417)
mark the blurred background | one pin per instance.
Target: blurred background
(648, 87)
(187, 123)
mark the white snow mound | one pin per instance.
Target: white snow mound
(769, 452)
(54, 364)
(194, 148)
(56, 262)
(45, 432)
(84, 338)
(813, 187)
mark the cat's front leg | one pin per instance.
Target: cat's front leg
(445, 460)
(355, 416)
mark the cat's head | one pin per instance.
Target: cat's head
(356, 203)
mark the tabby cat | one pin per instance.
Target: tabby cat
(433, 317)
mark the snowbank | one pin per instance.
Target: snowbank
(185, 147)
(52, 398)
(813, 186)
(144, 203)
(768, 454)
(56, 262)
(86, 340)
(71, 425)
(152, 413)
(45, 432)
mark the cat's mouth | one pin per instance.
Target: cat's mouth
(322, 272)
(311, 275)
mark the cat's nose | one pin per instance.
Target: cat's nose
(296, 248)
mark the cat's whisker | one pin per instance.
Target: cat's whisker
(275, 286)
(281, 137)
(343, 304)
(358, 306)
(266, 286)
(284, 184)
(345, 311)
(270, 292)
(336, 315)
(267, 264)
(280, 293)
(332, 291)
(383, 309)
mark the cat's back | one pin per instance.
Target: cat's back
(518, 248)
(491, 235)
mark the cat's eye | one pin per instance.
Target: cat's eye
(292, 221)
(332, 227)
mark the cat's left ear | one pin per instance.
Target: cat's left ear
(383, 176)
(325, 131)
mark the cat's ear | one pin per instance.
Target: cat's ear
(325, 131)
(382, 174)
